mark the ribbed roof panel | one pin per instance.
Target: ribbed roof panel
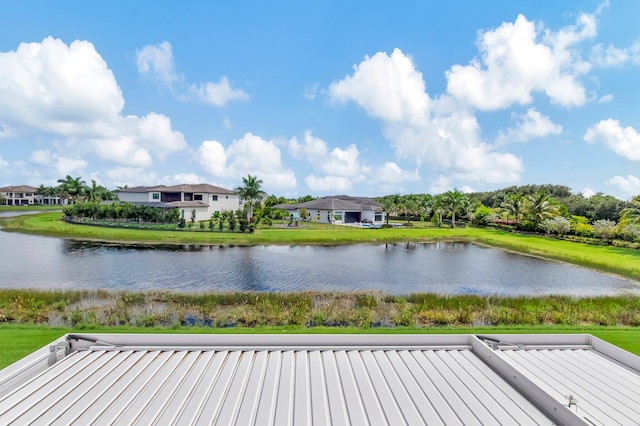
(276, 387)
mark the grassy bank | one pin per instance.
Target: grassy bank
(30, 207)
(98, 308)
(616, 260)
(17, 341)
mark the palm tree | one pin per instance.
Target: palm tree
(249, 192)
(73, 187)
(427, 202)
(439, 207)
(631, 215)
(542, 207)
(515, 204)
(454, 201)
(388, 207)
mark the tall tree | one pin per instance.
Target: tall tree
(73, 187)
(388, 207)
(250, 191)
(631, 215)
(454, 201)
(542, 207)
(515, 204)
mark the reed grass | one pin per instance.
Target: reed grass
(86, 309)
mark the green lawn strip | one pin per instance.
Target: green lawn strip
(616, 260)
(17, 341)
(30, 207)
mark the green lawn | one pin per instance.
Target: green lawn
(605, 258)
(30, 207)
(17, 341)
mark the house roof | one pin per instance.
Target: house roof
(201, 187)
(323, 379)
(340, 202)
(18, 188)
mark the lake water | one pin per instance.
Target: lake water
(28, 261)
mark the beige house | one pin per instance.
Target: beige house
(20, 195)
(205, 199)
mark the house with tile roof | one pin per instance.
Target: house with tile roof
(24, 195)
(205, 199)
(340, 210)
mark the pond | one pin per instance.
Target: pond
(28, 261)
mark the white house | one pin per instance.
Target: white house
(340, 210)
(205, 199)
(23, 195)
(20, 195)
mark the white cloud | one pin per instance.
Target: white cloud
(59, 89)
(180, 178)
(605, 99)
(626, 187)
(218, 94)
(69, 92)
(249, 155)
(131, 176)
(588, 192)
(441, 134)
(4, 165)
(623, 141)
(311, 91)
(387, 86)
(58, 164)
(156, 62)
(391, 173)
(530, 125)
(611, 56)
(514, 63)
(328, 183)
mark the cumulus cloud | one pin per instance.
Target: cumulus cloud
(338, 169)
(439, 133)
(627, 187)
(530, 125)
(328, 183)
(387, 86)
(68, 91)
(390, 172)
(62, 89)
(249, 155)
(520, 58)
(156, 62)
(131, 176)
(62, 165)
(218, 94)
(588, 192)
(623, 141)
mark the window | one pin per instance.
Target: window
(378, 217)
(155, 195)
(214, 198)
(337, 215)
(197, 197)
(227, 197)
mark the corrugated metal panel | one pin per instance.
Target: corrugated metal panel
(606, 392)
(278, 387)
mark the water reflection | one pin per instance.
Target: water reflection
(28, 261)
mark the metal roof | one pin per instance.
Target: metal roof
(322, 379)
(200, 187)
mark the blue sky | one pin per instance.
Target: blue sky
(363, 98)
